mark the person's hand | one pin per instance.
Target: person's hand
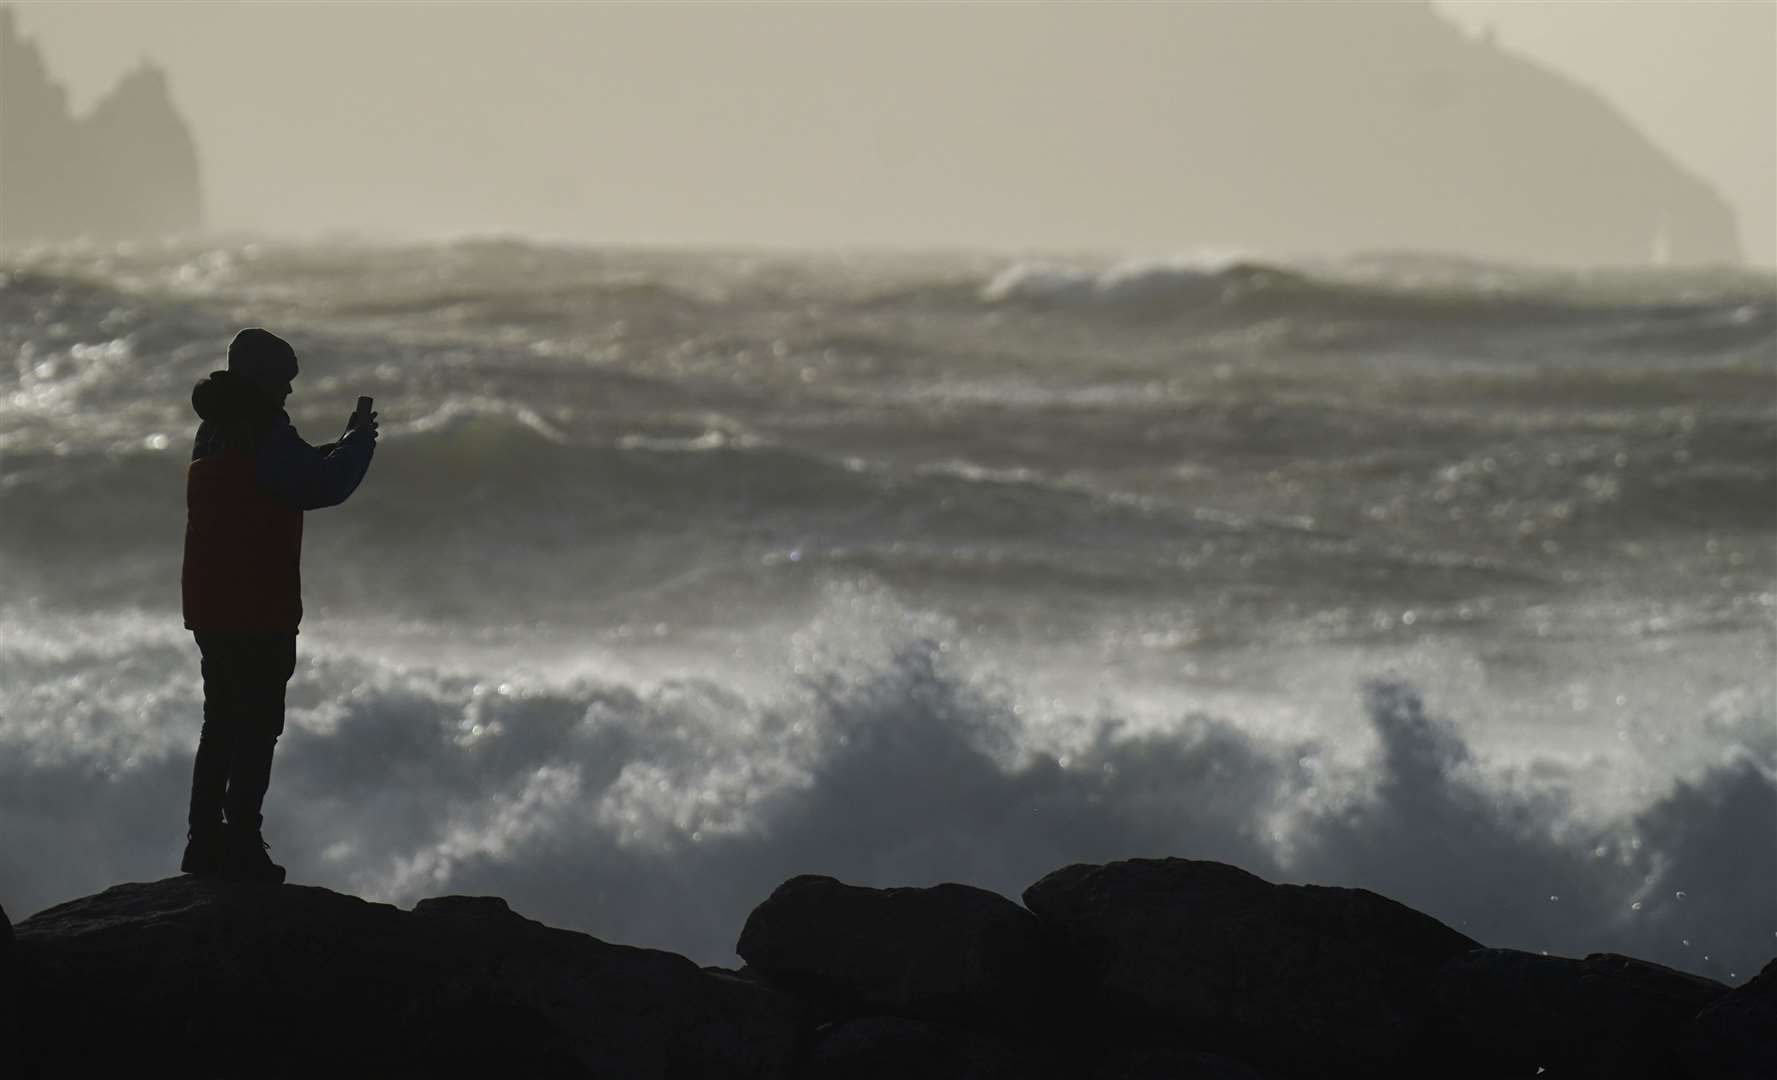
(365, 424)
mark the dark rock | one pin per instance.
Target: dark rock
(9, 980)
(894, 1047)
(1300, 977)
(1159, 1064)
(212, 978)
(950, 953)
(1735, 1036)
(9, 973)
(1506, 1012)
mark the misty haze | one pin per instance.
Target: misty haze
(916, 445)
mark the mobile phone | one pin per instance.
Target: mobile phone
(364, 407)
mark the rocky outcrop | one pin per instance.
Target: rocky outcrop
(1736, 1035)
(894, 1047)
(1220, 959)
(1605, 1016)
(950, 953)
(234, 979)
(7, 959)
(126, 170)
(1149, 969)
(9, 1006)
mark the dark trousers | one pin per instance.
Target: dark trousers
(244, 677)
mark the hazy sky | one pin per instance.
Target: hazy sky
(409, 118)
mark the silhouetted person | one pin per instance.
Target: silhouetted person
(251, 476)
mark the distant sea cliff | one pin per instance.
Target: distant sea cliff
(1320, 128)
(1288, 129)
(126, 170)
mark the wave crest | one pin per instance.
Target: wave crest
(1193, 279)
(660, 812)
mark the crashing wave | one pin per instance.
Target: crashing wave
(1176, 280)
(656, 810)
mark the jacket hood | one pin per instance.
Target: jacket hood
(224, 397)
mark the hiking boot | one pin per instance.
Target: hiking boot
(203, 851)
(245, 858)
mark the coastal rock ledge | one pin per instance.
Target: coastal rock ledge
(1147, 968)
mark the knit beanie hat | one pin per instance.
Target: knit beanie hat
(262, 356)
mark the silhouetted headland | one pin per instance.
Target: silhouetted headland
(1286, 129)
(126, 170)
(1327, 127)
(1142, 968)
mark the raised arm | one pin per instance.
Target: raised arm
(314, 477)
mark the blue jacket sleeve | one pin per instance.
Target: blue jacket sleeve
(310, 477)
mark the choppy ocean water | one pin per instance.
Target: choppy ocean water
(679, 573)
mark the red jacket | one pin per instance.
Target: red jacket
(243, 550)
(251, 476)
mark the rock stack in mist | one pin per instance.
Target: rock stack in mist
(1136, 969)
(126, 170)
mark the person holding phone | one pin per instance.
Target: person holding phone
(250, 479)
